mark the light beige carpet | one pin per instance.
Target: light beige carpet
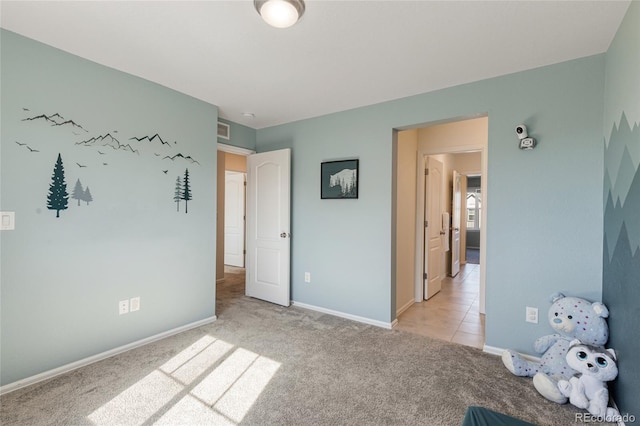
(261, 364)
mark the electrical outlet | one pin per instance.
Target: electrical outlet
(532, 315)
(307, 277)
(123, 307)
(134, 304)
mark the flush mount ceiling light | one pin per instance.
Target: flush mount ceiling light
(280, 13)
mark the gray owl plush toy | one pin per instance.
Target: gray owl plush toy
(597, 366)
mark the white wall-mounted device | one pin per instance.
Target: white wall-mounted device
(525, 141)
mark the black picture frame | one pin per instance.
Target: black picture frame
(339, 180)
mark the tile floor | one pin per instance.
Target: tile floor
(452, 314)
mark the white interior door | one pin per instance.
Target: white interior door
(268, 226)
(433, 229)
(456, 201)
(234, 218)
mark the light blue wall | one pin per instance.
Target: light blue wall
(239, 135)
(62, 278)
(540, 238)
(621, 283)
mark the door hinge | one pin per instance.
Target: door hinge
(425, 275)
(244, 252)
(426, 172)
(426, 223)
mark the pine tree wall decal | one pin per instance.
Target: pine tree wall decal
(58, 198)
(177, 195)
(186, 190)
(87, 196)
(78, 192)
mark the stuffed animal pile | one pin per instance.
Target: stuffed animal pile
(571, 318)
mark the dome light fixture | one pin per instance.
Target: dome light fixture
(280, 13)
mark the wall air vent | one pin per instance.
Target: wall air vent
(223, 131)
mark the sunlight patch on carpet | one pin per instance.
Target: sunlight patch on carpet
(139, 402)
(186, 390)
(212, 387)
(237, 402)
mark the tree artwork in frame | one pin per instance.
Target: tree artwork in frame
(339, 179)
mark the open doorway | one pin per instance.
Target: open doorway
(230, 225)
(261, 214)
(457, 303)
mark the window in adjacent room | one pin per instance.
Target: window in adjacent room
(474, 208)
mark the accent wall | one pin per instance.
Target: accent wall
(621, 259)
(113, 183)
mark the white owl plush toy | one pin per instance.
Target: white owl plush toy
(597, 366)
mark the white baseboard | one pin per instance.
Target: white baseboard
(99, 357)
(405, 307)
(492, 350)
(498, 351)
(364, 320)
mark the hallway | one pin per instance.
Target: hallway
(452, 314)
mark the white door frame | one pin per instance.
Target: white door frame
(234, 149)
(419, 272)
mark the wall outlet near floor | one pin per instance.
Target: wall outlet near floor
(123, 307)
(134, 304)
(532, 315)
(307, 277)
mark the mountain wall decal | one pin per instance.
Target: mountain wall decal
(72, 123)
(108, 140)
(179, 155)
(50, 118)
(151, 139)
(56, 119)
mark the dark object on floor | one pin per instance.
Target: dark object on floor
(473, 256)
(480, 416)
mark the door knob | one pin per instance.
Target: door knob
(285, 235)
(442, 233)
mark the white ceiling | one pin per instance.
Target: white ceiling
(341, 55)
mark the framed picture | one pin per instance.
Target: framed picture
(339, 179)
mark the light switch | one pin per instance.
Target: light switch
(8, 222)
